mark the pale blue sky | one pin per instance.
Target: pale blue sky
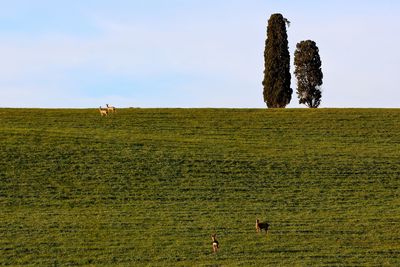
(199, 53)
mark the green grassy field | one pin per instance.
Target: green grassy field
(147, 187)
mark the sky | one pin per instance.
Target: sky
(190, 53)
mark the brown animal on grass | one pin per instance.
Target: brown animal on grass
(215, 244)
(103, 111)
(111, 108)
(261, 225)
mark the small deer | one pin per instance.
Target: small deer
(111, 108)
(215, 244)
(103, 111)
(261, 225)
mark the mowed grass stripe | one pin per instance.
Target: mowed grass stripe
(147, 187)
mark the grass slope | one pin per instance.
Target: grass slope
(147, 187)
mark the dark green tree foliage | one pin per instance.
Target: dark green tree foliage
(308, 73)
(277, 91)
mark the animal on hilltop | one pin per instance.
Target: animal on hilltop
(261, 225)
(215, 244)
(103, 111)
(111, 108)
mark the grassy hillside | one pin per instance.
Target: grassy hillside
(147, 187)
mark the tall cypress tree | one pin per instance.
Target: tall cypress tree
(308, 73)
(277, 91)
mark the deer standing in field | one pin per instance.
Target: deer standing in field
(111, 108)
(261, 225)
(215, 244)
(103, 111)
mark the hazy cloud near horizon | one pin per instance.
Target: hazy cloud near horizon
(189, 53)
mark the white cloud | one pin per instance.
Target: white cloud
(201, 52)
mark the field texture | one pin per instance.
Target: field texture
(147, 187)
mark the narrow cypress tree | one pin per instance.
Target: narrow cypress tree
(308, 73)
(277, 91)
